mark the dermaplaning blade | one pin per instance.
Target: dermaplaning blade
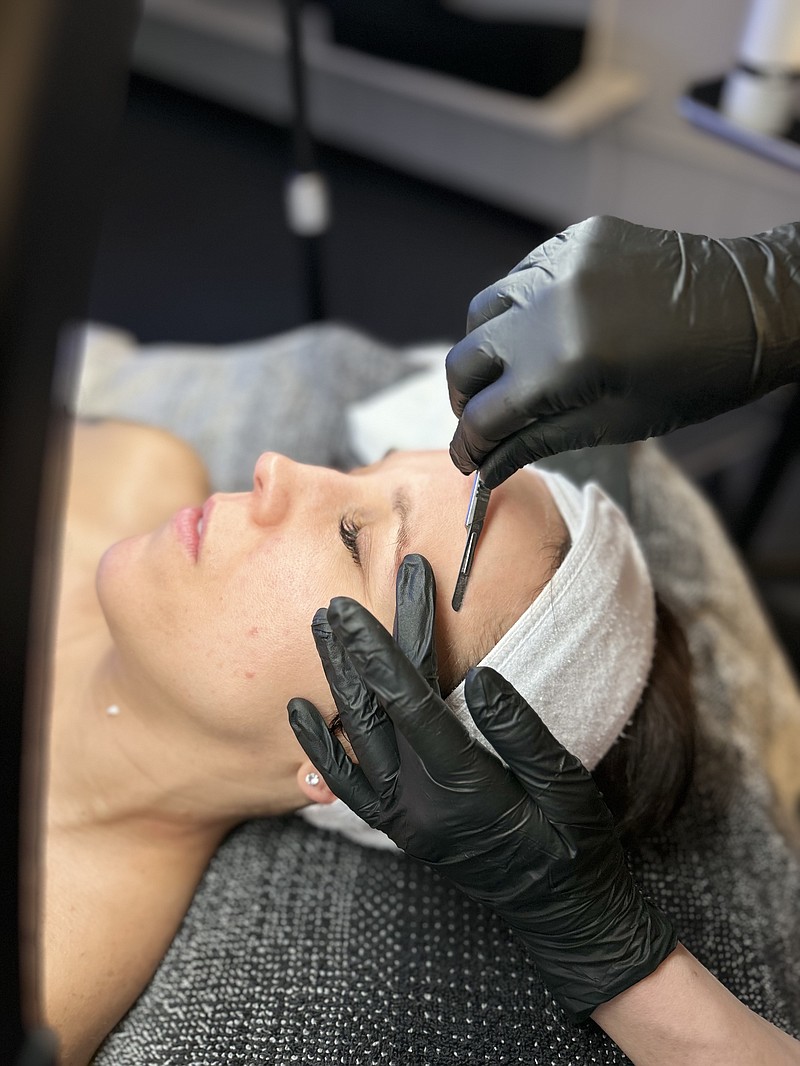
(476, 513)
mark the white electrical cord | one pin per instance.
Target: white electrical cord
(307, 204)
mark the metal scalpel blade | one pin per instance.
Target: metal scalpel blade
(476, 513)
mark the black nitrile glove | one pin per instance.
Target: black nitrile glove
(533, 841)
(612, 332)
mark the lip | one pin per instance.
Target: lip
(184, 524)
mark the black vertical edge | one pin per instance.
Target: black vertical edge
(303, 152)
(303, 146)
(64, 68)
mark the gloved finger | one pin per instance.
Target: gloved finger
(572, 430)
(608, 421)
(470, 366)
(368, 729)
(423, 718)
(554, 778)
(521, 285)
(415, 617)
(343, 777)
(488, 419)
(543, 254)
(488, 304)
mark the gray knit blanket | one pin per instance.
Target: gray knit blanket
(303, 947)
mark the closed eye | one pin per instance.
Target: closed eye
(348, 531)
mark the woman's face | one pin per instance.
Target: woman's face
(215, 628)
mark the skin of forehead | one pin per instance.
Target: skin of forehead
(513, 558)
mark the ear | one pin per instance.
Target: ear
(319, 793)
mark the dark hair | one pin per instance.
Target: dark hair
(645, 776)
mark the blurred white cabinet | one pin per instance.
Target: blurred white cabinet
(608, 139)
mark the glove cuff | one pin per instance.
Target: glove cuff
(630, 941)
(656, 938)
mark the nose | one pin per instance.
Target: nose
(281, 485)
(271, 482)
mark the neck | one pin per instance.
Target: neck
(120, 760)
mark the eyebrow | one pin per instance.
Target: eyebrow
(401, 505)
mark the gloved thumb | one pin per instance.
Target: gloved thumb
(415, 616)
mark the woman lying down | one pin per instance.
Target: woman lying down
(184, 628)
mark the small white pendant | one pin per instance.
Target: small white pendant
(113, 710)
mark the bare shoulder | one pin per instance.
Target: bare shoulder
(111, 909)
(125, 478)
(104, 445)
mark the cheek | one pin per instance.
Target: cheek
(266, 635)
(235, 645)
(263, 619)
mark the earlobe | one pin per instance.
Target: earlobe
(312, 785)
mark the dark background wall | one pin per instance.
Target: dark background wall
(195, 246)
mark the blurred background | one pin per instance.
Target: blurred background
(454, 136)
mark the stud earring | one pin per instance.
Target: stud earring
(312, 779)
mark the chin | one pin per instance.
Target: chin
(116, 580)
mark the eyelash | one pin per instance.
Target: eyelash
(348, 531)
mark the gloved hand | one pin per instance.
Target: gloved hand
(533, 841)
(612, 332)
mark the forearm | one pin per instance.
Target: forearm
(681, 1013)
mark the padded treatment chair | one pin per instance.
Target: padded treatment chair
(303, 946)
